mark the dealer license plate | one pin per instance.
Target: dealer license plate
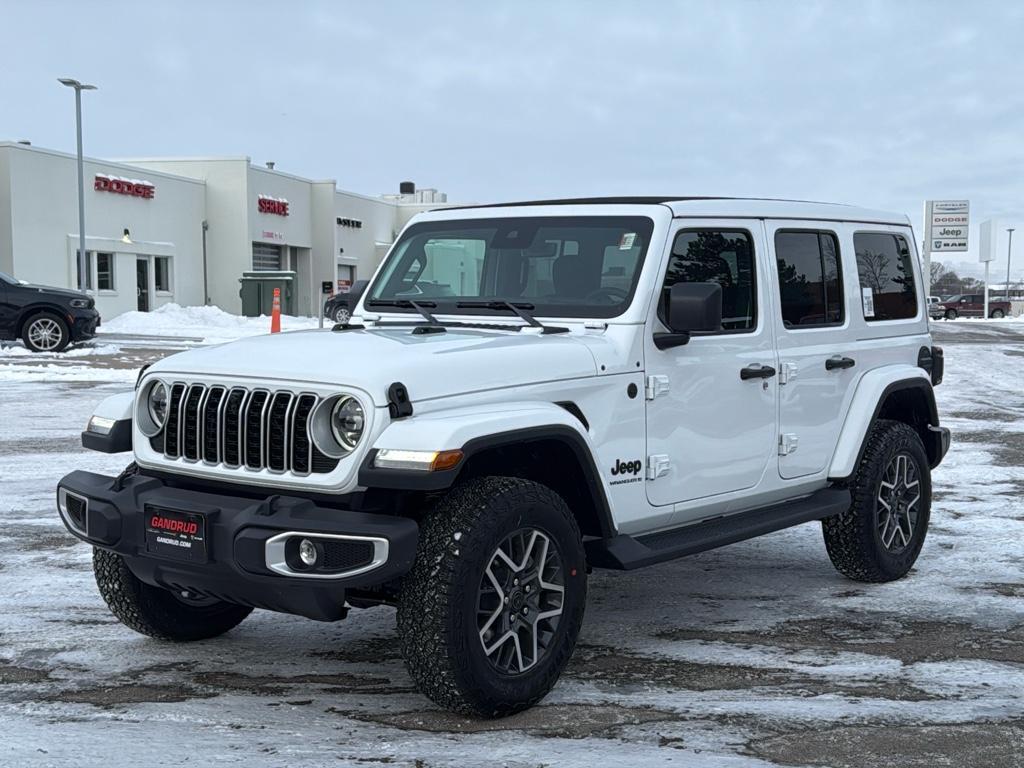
(175, 534)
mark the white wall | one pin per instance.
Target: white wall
(43, 209)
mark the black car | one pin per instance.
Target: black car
(46, 319)
(339, 307)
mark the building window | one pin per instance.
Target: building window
(266, 257)
(716, 256)
(105, 271)
(162, 270)
(886, 273)
(809, 278)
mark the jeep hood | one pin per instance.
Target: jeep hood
(430, 365)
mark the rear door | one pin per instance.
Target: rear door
(817, 361)
(711, 431)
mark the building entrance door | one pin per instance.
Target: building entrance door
(142, 283)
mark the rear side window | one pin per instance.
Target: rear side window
(718, 256)
(886, 273)
(810, 285)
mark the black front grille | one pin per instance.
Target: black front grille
(235, 427)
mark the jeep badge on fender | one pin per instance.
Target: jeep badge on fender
(454, 445)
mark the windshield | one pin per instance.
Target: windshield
(5, 278)
(584, 266)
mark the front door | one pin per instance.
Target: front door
(711, 429)
(142, 283)
(817, 356)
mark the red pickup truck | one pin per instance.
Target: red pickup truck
(969, 305)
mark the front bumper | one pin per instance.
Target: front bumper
(943, 438)
(84, 323)
(243, 557)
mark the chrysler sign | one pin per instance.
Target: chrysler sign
(130, 187)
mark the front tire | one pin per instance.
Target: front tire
(158, 612)
(45, 332)
(342, 315)
(880, 536)
(952, 314)
(490, 612)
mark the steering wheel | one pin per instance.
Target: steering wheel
(615, 295)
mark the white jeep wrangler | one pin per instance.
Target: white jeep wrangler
(527, 392)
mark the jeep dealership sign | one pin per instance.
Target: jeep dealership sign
(946, 223)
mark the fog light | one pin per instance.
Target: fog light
(308, 553)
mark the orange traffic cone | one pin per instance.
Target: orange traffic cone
(275, 313)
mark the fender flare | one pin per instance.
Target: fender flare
(118, 439)
(26, 312)
(872, 391)
(475, 430)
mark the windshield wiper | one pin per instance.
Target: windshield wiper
(518, 308)
(419, 306)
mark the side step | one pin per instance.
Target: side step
(625, 552)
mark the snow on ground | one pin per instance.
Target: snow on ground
(752, 655)
(209, 323)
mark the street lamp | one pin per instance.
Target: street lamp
(82, 262)
(1009, 247)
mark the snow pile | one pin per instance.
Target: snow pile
(17, 350)
(208, 323)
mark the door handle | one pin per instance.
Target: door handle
(757, 371)
(838, 363)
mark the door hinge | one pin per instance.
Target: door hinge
(788, 372)
(657, 384)
(657, 466)
(787, 443)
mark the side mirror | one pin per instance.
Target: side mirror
(691, 307)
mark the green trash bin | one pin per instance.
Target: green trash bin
(257, 292)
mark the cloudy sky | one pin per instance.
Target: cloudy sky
(881, 104)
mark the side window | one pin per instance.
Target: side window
(718, 256)
(810, 285)
(886, 273)
(105, 271)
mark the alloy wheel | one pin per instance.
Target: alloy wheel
(520, 600)
(45, 334)
(899, 503)
(342, 315)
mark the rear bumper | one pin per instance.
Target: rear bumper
(243, 541)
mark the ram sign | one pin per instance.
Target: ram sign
(947, 222)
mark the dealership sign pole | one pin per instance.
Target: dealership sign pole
(83, 263)
(945, 229)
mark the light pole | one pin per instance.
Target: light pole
(1009, 250)
(82, 261)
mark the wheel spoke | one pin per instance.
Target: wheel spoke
(523, 579)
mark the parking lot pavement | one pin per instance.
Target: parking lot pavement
(756, 654)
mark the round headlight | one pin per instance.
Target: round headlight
(158, 404)
(347, 422)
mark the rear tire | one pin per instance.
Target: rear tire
(469, 620)
(159, 612)
(880, 536)
(997, 314)
(45, 332)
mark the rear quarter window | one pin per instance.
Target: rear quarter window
(886, 269)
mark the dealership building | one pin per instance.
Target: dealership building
(192, 230)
